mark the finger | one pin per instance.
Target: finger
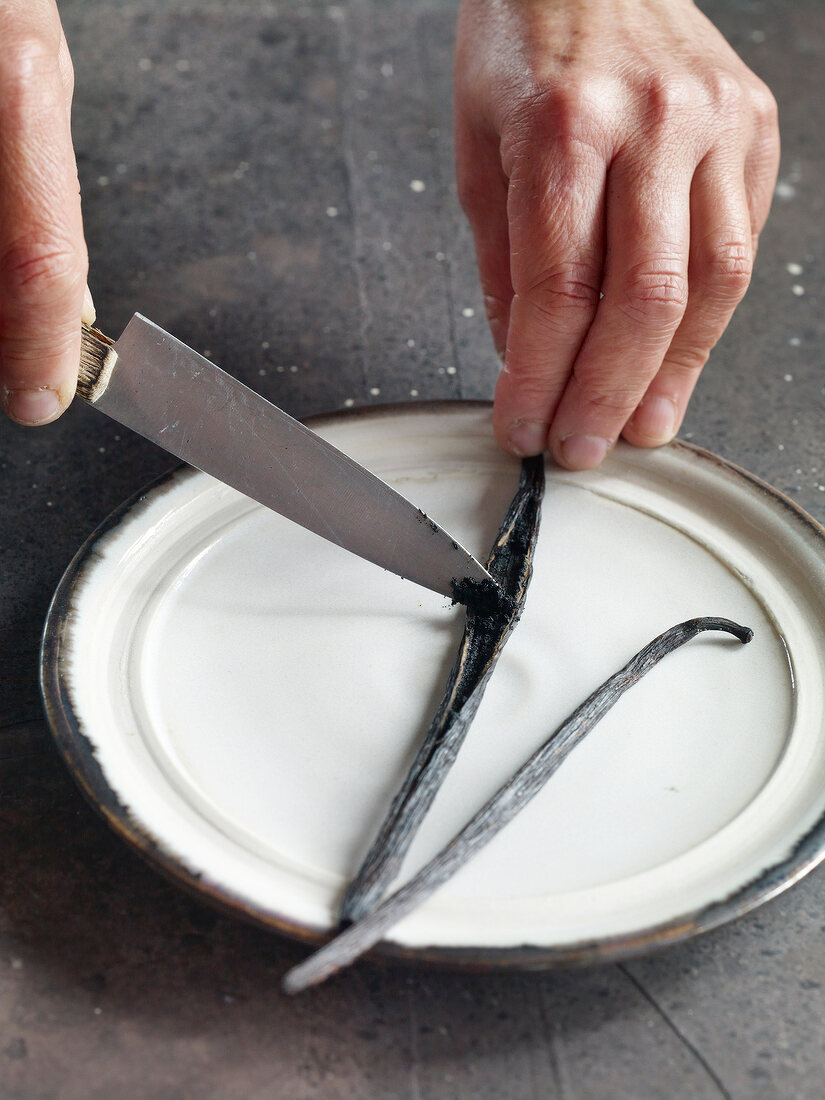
(42, 252)
(721, 261)
(645, 295)
(482, 189)
(556, 220)
(762, 161)
(66, 69)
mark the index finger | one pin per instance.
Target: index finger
(42, 252)
(556, 220)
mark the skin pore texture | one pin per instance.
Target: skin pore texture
(616, 161)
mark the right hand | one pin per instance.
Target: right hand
(43, 258)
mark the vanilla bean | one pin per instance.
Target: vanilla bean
(492, 612)
(502, 808)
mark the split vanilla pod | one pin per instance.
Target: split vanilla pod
(490, 620)
(492, 613)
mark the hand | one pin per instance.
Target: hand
(43, 261)
(616, 160)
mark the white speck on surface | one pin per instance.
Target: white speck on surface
(262, 372)
(182, 65)
(757, 36)
(821, 488)
(97, 1011)
(798, 290)
(468, 311)
(411, 343)
(264, 344)
(350, 401)
(102, 181)
(145, 64)
(441, 370)
(117, 439)
(418, 186)
(440, 257)
(102, 450)
(387, 246)
(50, 504)
(375, 390)
(332, 211)
(213, 312)
(788, 377)
(794, 269)
(387, 69)
(413, 393)
(206, 352)
(121, 169)
(450, 370)
(785, 190)
(280, 368)
(780, 446)
(17, 964)
(797, 471)
(293, 368)
(794, 341)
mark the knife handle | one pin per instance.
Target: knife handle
(97, 361)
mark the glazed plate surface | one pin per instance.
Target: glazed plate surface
(241, 698)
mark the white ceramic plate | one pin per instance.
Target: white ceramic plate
(241, 699)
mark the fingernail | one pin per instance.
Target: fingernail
(583, 452)
(32, 406)
(655, 419)
(527, 437)
(88, 315)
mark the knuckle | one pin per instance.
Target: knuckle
(667, 95)
(727, 93)
(687, 359)
(655, 293)
(765, 107)
(730, 269)
(567, 117)
(24, 61)
(66, 71)
(38, 267)
(495, 306)
(564, 294)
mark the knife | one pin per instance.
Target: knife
(157, 386)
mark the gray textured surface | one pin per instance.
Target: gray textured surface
(207, 179)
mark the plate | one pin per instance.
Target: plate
(240, 698)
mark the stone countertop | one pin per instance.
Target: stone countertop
(246, 171)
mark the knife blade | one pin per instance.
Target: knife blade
(164, 390)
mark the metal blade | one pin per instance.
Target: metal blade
(172, 395)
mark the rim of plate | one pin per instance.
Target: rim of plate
(79, 755)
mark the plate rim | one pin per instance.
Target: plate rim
(78, 753)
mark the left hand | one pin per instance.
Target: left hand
(617, 161)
